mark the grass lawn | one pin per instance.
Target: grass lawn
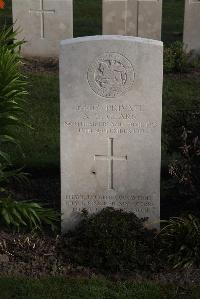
(180, 95)
(41, 144)
(87, 17)
(173, 17)
(60, 288)
(181, 92)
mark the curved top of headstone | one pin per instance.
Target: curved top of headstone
(110, 38)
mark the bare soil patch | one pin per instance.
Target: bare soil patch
(38, 64)
(33, 256)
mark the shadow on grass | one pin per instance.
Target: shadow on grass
(60, 288)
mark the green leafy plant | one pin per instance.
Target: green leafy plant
(180, 241)
(168, 60)
(186, 169)
(26, 214)
(13, 90)
(196, 61)
(176, 59)
(174, 122)
(12, 93)
(111, 240)
(8, 39)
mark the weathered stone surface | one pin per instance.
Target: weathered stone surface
(111, 99)
(191, 36)
(141, 18)
(43, 24)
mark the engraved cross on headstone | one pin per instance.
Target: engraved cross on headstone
(110, 158)
(42, 13)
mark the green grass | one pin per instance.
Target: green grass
(87, 17)
(180, 95)
(41, 143)
(60, 288)
(173, 17)
(181, 92)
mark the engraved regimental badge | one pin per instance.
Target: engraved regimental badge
(111, 75)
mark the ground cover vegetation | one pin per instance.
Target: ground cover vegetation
(13, 90)
(113, 244)
(61, 288)
(103, 242)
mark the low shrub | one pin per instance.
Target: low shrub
(111, 240)
(186, 169)
(174, 122)
(176, 59)
(26, 214)
(196, 62)
(180, 242)
(8, 38)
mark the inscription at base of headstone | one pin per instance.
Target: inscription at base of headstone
(42, 24)
(141, 18)
(111, 99)
(191, 36)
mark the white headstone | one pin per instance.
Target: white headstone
(43, 24)
(191, 36)
(141, 18)
(111, 99)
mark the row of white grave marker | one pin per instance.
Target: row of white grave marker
(141, 18)
(43, 23)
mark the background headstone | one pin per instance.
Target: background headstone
(191, 35)
(141, 18)
(111, 99)
(43, 23)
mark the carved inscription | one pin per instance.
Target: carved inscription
(139, 204)
(110, 119)
(111, 75)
